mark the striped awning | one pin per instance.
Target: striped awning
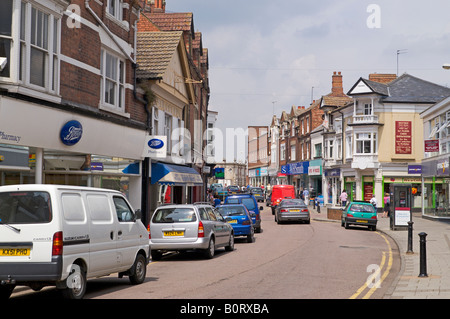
(171, 174)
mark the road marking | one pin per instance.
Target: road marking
(375, 275)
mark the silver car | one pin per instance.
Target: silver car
(189, 227)
(292, 210)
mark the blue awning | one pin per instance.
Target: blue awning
(171, 174)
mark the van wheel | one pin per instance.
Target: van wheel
(209, 252)
(6, 291)
(76, 283)
(138, 271)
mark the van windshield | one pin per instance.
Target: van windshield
(25, 207)
(174, 215)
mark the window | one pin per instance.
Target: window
(366, 143)
(115, 8)
(5, 34)
(282, 152)
(168, 131)
(348, 147)
(124, 212)
(318, 150)
(330, 149)
(112, 69)
(292, 152)
(39, 47)
(368, 109)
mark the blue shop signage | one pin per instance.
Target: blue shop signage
(295, 168)
(71, 133)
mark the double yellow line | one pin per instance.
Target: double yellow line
(376, 274)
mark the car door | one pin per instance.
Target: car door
(219, 229)
(128, 234)
(224, 227)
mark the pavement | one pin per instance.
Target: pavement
(408, 284)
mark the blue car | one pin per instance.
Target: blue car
(250, 202)
(239, 218)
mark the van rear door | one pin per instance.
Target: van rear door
(27, 229)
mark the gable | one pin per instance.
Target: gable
(360, 88)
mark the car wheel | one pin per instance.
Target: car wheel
(138, 271)
(346, 225)
(76, 283)
(230, 246)
(209, 252)
(251, 237)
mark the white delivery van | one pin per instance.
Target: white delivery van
(63, 235)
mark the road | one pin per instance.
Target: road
(315, 261)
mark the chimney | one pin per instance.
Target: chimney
(153, 6)
(337, 88)
(382, 78)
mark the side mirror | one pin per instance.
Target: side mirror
(138, 214)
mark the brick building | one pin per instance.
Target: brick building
(70, 112)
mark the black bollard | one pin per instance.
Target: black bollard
(410, 238)
(423, 255)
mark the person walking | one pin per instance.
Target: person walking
(306, 196)
(387, 203)
(343, 198)
(373, 201)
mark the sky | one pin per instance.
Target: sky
(266, 55)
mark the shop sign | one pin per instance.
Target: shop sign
(71, 133)
(96, 166)
(155, 146)
(443, 167)
(431, 145)
(414, 169)
(403, 137)
(314, 170)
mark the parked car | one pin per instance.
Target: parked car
(252, 205)
(189, 227)
(219, 191)
(359, 213)
(232, 190)
(63, 235)
(240, 219)
(279, 192)
(292, 210)
(258, 193)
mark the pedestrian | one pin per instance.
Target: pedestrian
(387, 203)
(343, 198)
(373, 201)
(217, 201)
(306, 196)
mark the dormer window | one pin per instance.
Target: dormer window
(115, 8)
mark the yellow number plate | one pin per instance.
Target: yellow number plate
(361, 221)
(14, 252)
(234, 221)
(294, 210)
(174, 233)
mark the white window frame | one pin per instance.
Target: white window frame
(292, 152)
(46, 43)
(117, 79)
(362, 139)
(116, 10)
(168, 131)
(282, 152)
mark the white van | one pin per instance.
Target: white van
(63, 235)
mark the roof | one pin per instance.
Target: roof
(155, 51)
(174, 21)
(405, 89)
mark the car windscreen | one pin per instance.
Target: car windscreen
(174, 215)
(231, 210)
(25, 207)
(257, 190)
(233, 188)
(360, 208)
(232, 201)
(249, 203)
(292, 202)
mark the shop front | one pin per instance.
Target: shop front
(436, 186)
(41, 144)
(298, 172)
(331, 183)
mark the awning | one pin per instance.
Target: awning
(170, 174)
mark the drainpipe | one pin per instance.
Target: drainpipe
(99, 21)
